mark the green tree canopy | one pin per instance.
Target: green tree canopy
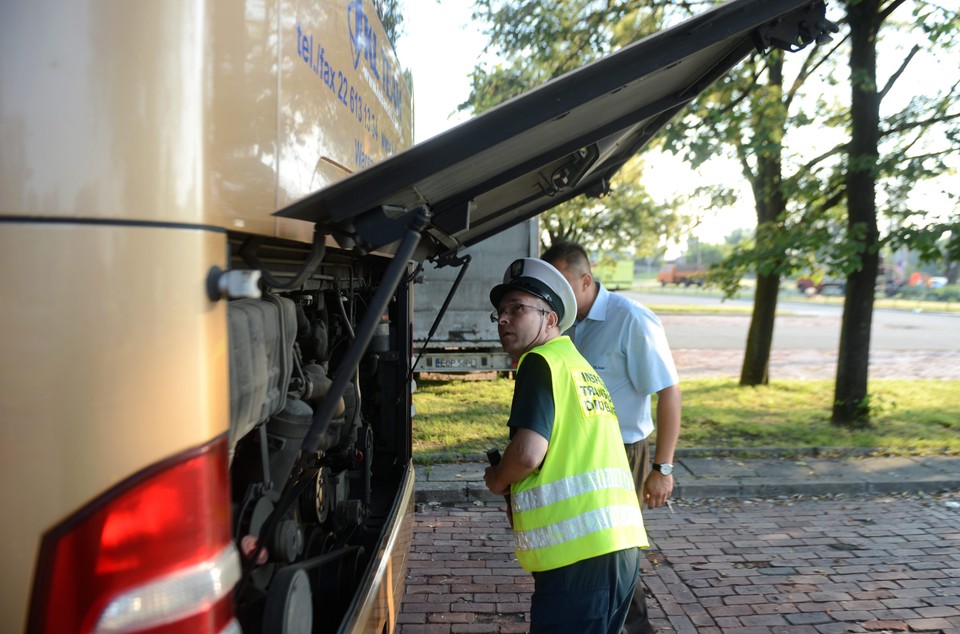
(625, 219)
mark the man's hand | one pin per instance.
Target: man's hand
(490, 478)
(524, 453)
(657, 489)
(522, 456)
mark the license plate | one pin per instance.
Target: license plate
(454, 363)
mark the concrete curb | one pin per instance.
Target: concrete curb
(780, 473)
(707, 452)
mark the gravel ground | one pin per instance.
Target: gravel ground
(795, 364)
(821, 364)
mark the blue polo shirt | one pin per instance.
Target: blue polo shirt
(625, 343)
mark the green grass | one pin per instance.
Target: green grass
(459, 417)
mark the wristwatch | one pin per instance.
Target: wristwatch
(665, 468)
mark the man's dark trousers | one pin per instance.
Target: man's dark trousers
(588, 597)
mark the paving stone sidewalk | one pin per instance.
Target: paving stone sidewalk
(800, 564)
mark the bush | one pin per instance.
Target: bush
(942, 294)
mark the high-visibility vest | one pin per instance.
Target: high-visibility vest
(581, 502)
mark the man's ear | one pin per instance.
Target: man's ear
(586, 280)
(553, 319)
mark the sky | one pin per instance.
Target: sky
(440, 47)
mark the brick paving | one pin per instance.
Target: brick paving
(804, 565)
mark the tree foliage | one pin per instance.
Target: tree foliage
(391, 16)
(747, 116)
(626, 219)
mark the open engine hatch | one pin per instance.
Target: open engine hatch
(566, 137)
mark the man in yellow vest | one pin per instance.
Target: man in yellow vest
(575, 514)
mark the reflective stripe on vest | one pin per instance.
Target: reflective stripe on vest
(572, 486)
(580, 526)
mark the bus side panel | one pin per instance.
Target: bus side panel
(111, 117)
(343, 103)
(112, 361)
(217, 112)
(135, 137)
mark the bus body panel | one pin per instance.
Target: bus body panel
(214, 113)
(112, 362)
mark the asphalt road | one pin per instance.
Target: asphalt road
(904, 343)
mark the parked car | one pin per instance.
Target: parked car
(825, 286)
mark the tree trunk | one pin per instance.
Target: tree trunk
(756, 360)
(771, 207)
(851, 406)
(953, 272)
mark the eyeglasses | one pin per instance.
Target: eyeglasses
(514, 310)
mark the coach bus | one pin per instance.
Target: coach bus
(211, 215)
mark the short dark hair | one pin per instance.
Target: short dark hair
(568, 252)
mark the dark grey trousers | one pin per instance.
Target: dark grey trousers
(589, 597)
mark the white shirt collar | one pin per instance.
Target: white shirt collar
(598, 311)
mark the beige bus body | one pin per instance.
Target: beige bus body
(136, 138)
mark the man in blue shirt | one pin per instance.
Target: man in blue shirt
(625, 343)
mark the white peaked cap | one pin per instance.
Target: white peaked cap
(540, 279)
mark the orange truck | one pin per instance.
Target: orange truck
(681, 273)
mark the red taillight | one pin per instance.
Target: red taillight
(153, 553)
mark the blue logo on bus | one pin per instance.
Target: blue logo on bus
(363, 38)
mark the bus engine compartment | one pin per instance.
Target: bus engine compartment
(306, 539)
